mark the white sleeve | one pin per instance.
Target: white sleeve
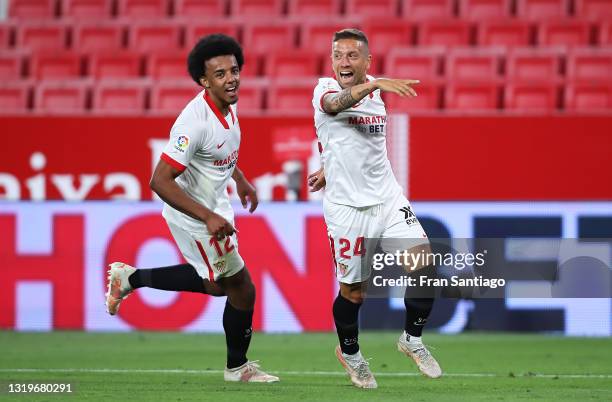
(324, 87)
(183, 144)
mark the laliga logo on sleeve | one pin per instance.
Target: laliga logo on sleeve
(182, 143)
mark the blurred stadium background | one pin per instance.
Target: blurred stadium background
(510, 136)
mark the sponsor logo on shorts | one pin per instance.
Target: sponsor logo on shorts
(343, 268)
(409, 215)
(182, 143)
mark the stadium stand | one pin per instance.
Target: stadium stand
(518, 55)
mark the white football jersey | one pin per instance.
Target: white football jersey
(204, 146)
(353, 149)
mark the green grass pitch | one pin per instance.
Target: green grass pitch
(187, 367)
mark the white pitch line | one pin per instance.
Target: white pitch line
(303, 373)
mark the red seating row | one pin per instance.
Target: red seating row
(294, 96)
(412, 9)
(263, 38)
(425, 64)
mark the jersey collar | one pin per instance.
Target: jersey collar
(217, 112)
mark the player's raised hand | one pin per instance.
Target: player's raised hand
(247, 194)
(316, 180)
(399, 87)
(218, 226)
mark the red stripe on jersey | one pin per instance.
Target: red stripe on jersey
(211, 274)
(232, 113)
(323, 96)
(216, 111)
(177, 165)
(320, 147)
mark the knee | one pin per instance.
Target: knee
(354, 295)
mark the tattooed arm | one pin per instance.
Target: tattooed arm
(348, 97)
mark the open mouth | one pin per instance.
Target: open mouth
(346, 75)
(232, 90)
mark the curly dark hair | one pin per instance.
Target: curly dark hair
(209, 47)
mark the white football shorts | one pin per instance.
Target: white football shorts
(212, 258)
(348, 227)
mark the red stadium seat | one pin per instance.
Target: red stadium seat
(444, 33)
(142, 9)
(167, 66)
(171, 97)
(593, 9)
(542, 9)
(271, 37)
(291, 96)
(506, 33)
(531, 97)
(31, 9)
(252, 66)
(196, 9)
(147, 37)
(317, 35)
(591, 65)
(604, 34)
(196, 30)
(588, 97)
(256, 8)
(428, 99)
(314, 8)
(372, 8)
(291, 64)
(11, 65)
(420, 10)
(471, 97)
(119, 97)
(80, 10)
(5, 35)
(47, 36)
(251, 95)
(564, 33)
(98, 37)
(14, 98)
(68, 97)
(533, 65)
(114, 65)
(55, 65)
(385, 34)
(419, 63)
(473, 64)
(483, 9)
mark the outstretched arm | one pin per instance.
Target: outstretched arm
(348, 97)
